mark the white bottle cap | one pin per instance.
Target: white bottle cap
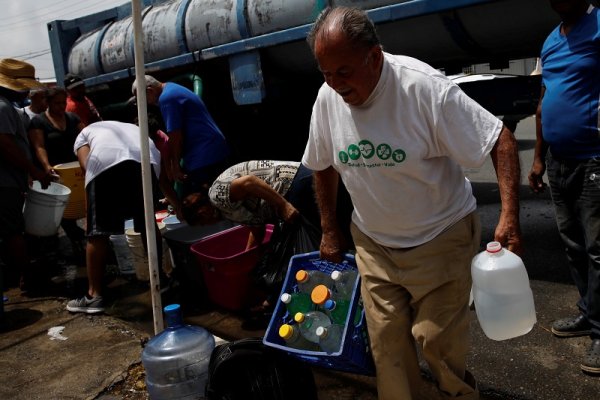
(335, 275)
(493, 247)
(321, 332)
(286, 298)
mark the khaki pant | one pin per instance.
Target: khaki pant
(420, 295)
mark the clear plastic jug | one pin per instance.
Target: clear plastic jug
(176, 360)
(501, 292)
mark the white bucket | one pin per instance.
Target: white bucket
(44, 208)
(140, 256)
(122, 254)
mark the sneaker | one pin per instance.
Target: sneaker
(85, 305)
(570, 327)
(591, 360)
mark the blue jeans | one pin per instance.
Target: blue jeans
(575, 190)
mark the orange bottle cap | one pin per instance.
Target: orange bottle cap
(320, 294)
(299, 317)
(286, 331)
(302, 276)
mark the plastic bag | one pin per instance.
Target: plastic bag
(246, 369)
(287, 240)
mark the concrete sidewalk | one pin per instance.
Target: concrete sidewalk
(95, 353)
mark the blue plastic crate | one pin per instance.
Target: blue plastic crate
(355, 353)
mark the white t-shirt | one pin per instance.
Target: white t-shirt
(400, 153)
(111, 143)
(30, 113)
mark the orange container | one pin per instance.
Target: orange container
(226, 266)
(72, 176)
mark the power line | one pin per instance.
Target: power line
(29, 22)
(36, 55)
(28, 55)
(28, 12)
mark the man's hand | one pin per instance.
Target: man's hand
(288, 212)
(177, 173)
(536, 183)
(44, 177)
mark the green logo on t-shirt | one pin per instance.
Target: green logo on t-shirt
(368, 150)
(384, 151)
(399, 155)
(343, 157)
(353, 152)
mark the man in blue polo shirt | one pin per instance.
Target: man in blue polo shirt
(568, 147)
(193, 136)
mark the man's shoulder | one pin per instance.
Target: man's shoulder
(172, 88)
(5, 104)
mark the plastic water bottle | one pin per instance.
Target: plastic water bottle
(320, 294)
(308, 279)
(330, 338)
(176, 360)
(337, 311)
(309, 322)
(294, 339)
(297, 302)
(344, 282)
(501, 292)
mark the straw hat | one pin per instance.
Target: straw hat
(18, 75)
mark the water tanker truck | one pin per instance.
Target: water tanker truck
(249, 60)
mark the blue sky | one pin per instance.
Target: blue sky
(23, 32)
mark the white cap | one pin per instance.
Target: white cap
(321, 332)
(335, 275)
(286, 298)
(493, 247)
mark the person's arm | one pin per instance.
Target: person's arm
(538, 168)
(10, 152)
(36, 139)
(175, 150)
(256, 236)
(251, 186)
(505, 157)
(332, 242)
(166, 187)
(83, 154)
(94, 114)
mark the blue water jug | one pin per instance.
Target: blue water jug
(176, 360)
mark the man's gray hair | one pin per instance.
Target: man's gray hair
(352, 22)
(150, 82)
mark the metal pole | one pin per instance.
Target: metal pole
(136, 12)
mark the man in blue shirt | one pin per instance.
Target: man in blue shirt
(193, 136)
(568, 147)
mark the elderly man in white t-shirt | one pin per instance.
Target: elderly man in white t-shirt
(109, 153)
(397, 132)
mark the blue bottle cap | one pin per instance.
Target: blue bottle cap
(329, 305)
(173, 315)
